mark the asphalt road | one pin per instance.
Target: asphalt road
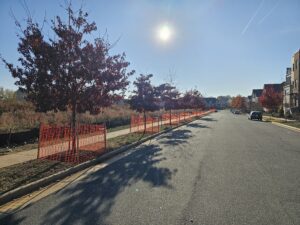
(222, 169)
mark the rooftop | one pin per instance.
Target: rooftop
(276, 87)
(257, 92)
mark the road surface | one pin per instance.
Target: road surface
(222, 169)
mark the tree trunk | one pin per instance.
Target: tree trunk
(170, 117)
(9, 137)
(73, 149)
(145, 125)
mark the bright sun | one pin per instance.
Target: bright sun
(164, 33)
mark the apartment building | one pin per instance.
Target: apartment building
(291, 98)
(287, 91)
(256, 93)
(295, 73)
(254, 100)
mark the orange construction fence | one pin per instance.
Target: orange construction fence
(186, 116)
(61, 143)
(152, 125)
(176, 118)
(140, 124)
(170, 118)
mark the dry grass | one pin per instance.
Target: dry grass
(23, 118)
(127, 139)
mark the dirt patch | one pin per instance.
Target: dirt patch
(20, 174)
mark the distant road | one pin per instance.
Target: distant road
(222, 169)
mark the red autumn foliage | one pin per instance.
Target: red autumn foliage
(238, 102)
(168, 95)
(144, 98)
(270, 99)
(191, 99)
(68, 72)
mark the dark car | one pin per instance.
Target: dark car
(255, 115)
(236, 111)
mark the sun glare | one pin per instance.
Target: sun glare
(164, 33)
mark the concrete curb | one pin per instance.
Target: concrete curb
(286, 126)
(276, 118)
(28, 188)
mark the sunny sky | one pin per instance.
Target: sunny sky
(220, 47)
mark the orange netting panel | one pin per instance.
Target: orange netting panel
(170, 119)
(138, 124)
(63, 144)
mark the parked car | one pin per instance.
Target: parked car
(235, 111)
(255, 115)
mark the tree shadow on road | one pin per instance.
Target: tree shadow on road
(196, 125)
(90, 200)
(10, 219)
(209, 119)
(176, 137)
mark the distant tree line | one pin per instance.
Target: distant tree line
(270, 100)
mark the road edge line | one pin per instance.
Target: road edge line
(286, 126)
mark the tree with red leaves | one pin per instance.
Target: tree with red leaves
(191, 99)
(144, 98)
(270, 99)
(197, 101)
(168, 95)
(238, 102)
(68, 71)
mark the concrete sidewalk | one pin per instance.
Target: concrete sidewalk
(18, 157)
